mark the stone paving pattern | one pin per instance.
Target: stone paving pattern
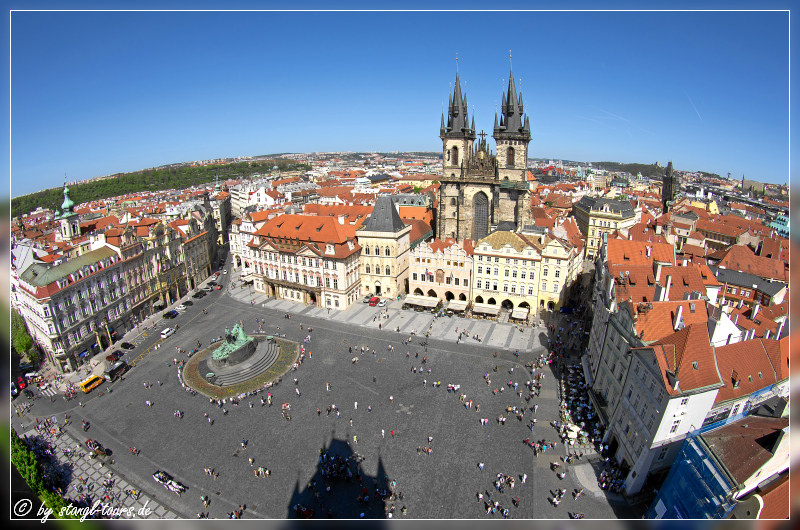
(443, 485)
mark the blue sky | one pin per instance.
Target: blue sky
(99, 93)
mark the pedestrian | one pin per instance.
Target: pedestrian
(355, 405)
(392, 434)
(383, 433)
(480, 465)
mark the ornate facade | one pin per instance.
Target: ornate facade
(479, 190)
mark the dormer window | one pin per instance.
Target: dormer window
(695, 365)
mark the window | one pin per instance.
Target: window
(514, 273)
(675, 425)
(663, 454)
(636, 401)
(630, 393)
(387, 252)
(544, 286)
(652, 384)
(660, 396)
(377, 251)
(496, 260)
(505, 287)
(480, 258)
(644, 410)
(336, 286)
(507, 260)
(305, 279)
(684, 402)
(466, 282)
(480, 269)
(478, 284)
(367, 269)
(650, 421)
(496, 271)
(516, 261)
(555, 287)
(505, 273)
(414, 276)
(328, 285)
(494, 286)
(388, 271)
(456, 280)
(522, 274)
(558, 273)
(544, 272)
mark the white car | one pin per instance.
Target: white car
(225, 271)
(180, 308)
(167, 332)
(382, 303)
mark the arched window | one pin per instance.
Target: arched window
(510, 158)
(455, 155)
(377, 251)
(452, 202)
(387, 251)
(388, 271)
(366, 250)
(367, 269)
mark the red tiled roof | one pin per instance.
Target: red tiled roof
(742, 361)
(776, 501)
(677, 353)
(742, 258)
(623, 251)
(657, 323)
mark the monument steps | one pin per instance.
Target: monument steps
(256, 366)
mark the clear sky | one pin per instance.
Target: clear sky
(95, 93)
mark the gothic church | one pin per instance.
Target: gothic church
(481, 191)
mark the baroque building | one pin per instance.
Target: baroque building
(479, 189)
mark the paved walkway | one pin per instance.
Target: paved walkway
(94, 473)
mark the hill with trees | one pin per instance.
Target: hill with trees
(154, 179)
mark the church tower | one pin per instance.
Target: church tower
(70, 221)
(512, 135)
(481, 191)
(667, 189)
(457, 135)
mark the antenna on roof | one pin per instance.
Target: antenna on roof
(457, 65)
(509, 60)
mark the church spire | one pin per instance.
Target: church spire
(457, 113)
(512, 121)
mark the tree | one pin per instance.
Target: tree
(19, 334)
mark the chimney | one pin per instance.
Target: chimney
(755, 311)
(678, 317)
(730, 336)
(658, 229)
(648, 251)
(341, 219)
(666, 291)
(780, 330)
(659, 266)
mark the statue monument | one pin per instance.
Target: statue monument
(236, 347)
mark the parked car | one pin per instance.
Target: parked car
(188, 302)
(170, 314)
(382, 303)
(127, 346)
(14, 390)
(225, 271)
(167, 332)
(21, 382)
(198, 294)
(207, 289)
(219, 287)
(212, 283)
(113, 356)
(180, 308)
(374, 301)
(24, 366)
(367, 298)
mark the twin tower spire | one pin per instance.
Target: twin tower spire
(511, 124)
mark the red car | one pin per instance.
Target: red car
(219, 287)
(21, 382)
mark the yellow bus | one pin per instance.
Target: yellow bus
(94, 381)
